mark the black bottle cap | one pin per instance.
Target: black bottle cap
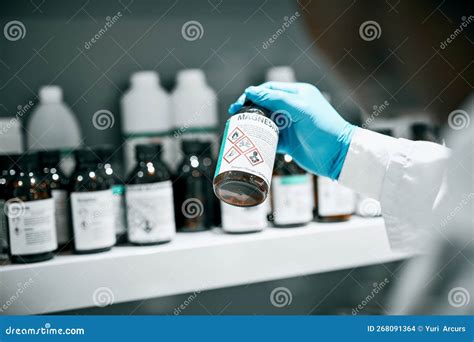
(28, 162)
(86, 156)
(49, 158)
(196, 147)
(148, 152)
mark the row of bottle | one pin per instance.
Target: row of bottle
(95, 209)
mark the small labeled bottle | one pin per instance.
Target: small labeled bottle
(59, 185)
(149, 198)
(292, 194)
(194, 198)
(333, 201)
(91, 205)
(244, 219)
(245, 163)
(111, 177)
(8, 170)
(30, 210)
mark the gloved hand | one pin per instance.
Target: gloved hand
(311, 130)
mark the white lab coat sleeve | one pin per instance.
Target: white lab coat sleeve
(405, 176)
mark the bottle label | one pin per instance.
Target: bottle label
(119, 209)
(334, 199)
(150, 212)
(292, 199)
(61, 214)
(32, 227)
(3, 227)
(249, 145)
(93, 219)
(243, 219)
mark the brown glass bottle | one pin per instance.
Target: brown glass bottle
(107, 156)
(328, 190)
(91, 205)
(194, 198)
(149, 198)
(292, 194)
(59, 185)
(8, 169)
(30, 207)
(246, 157)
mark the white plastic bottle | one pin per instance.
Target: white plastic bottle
(146, 116)
(281, 74)
(194, 106)
(53, 126)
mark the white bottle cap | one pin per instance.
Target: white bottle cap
(281, 74)
(145, 78)
(50, 94)
(191, 76)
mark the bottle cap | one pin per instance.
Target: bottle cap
(281, 74)
(148, 152)
(51, 94)
(28, 162)
(195, 147)
(49, 158)
(86, 156)
(191, 76)
(145, 78)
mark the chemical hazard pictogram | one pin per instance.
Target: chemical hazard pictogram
(244, 144)
(235, 135)
(254, 157)
(231, 155)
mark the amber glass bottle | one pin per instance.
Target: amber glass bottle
(245, 162)
(292, 193)
(91, 205)
(30, 210)
(107, 155)
(149, 198)
(333, 202)
(194, 197)
(59, 185)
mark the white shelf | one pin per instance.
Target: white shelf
(193, 261)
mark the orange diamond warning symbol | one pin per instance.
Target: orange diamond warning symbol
(231, 155)
(235, 135)
(254, 157)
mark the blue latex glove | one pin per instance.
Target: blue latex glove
(311, 130)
